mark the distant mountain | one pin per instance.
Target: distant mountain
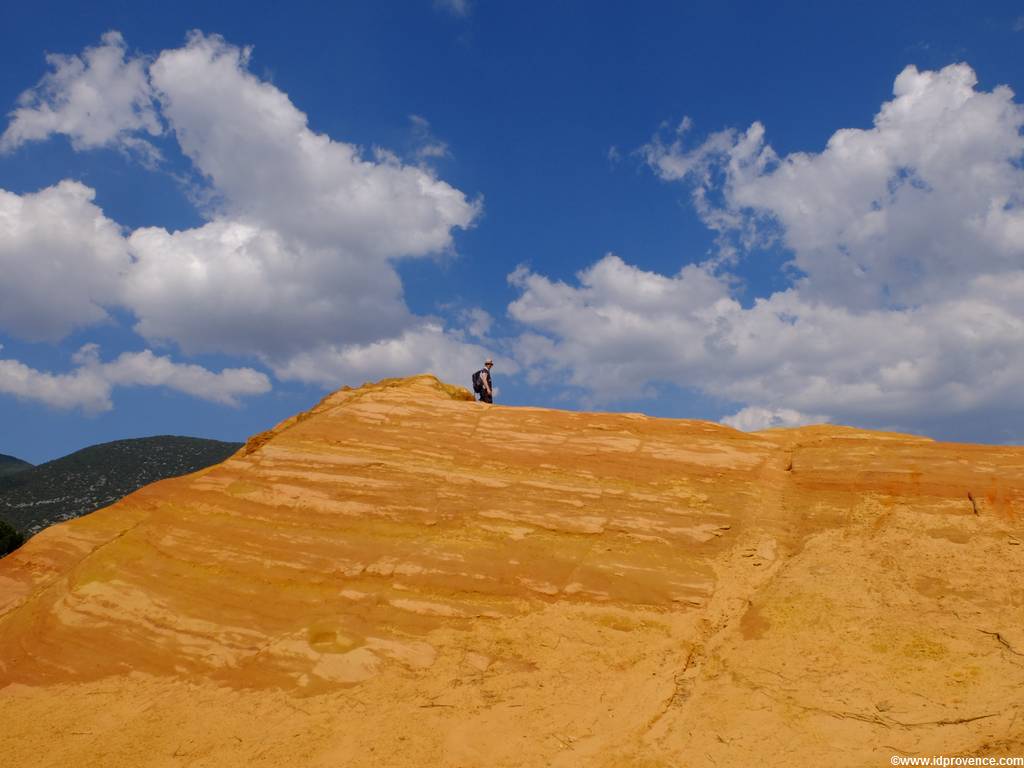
(9, 465)
(36, 497)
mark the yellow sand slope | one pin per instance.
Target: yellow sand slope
(403, 577)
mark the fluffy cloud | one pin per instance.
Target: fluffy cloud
(299, 252)
(753, 418)
(785, 356)
(89, 385)
(896, 215)
(477, 322)
(257, 150)
(429, 147)
(296, 261)
(62, 261)
(97, 99)
(620, 328)
(908, 243)
(245, 289)
(425, 348)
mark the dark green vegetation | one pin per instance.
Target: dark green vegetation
(95, 477)
(9, 465)
(10, 539)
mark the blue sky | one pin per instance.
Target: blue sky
(766, 214)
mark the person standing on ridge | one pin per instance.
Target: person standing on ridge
(482, 383)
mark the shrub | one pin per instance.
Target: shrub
(10, 538)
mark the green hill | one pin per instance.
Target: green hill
(36, 497)
(9, 465)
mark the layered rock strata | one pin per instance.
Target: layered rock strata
(403, 577)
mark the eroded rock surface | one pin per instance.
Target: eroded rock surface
(403, 577)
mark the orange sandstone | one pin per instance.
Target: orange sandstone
(403, 577)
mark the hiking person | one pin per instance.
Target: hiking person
(482, 383)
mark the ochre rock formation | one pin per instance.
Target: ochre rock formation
(403, 577)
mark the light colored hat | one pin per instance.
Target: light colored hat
(488, 361)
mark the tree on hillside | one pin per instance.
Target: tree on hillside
(10, 538)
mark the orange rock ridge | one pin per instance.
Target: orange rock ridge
(404, 577)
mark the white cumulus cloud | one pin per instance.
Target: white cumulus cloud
(753, 418)
(97, 99)
(300, 249)
(302, 235)
(89, 385)
(907, 240)
(895, 215)
(620, 327)
(426, 348)
(428, 146)
(62, 261)
(242, 288)
(257, 150)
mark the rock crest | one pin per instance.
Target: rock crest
(405, 577)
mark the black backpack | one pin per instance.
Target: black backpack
(478, 384)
